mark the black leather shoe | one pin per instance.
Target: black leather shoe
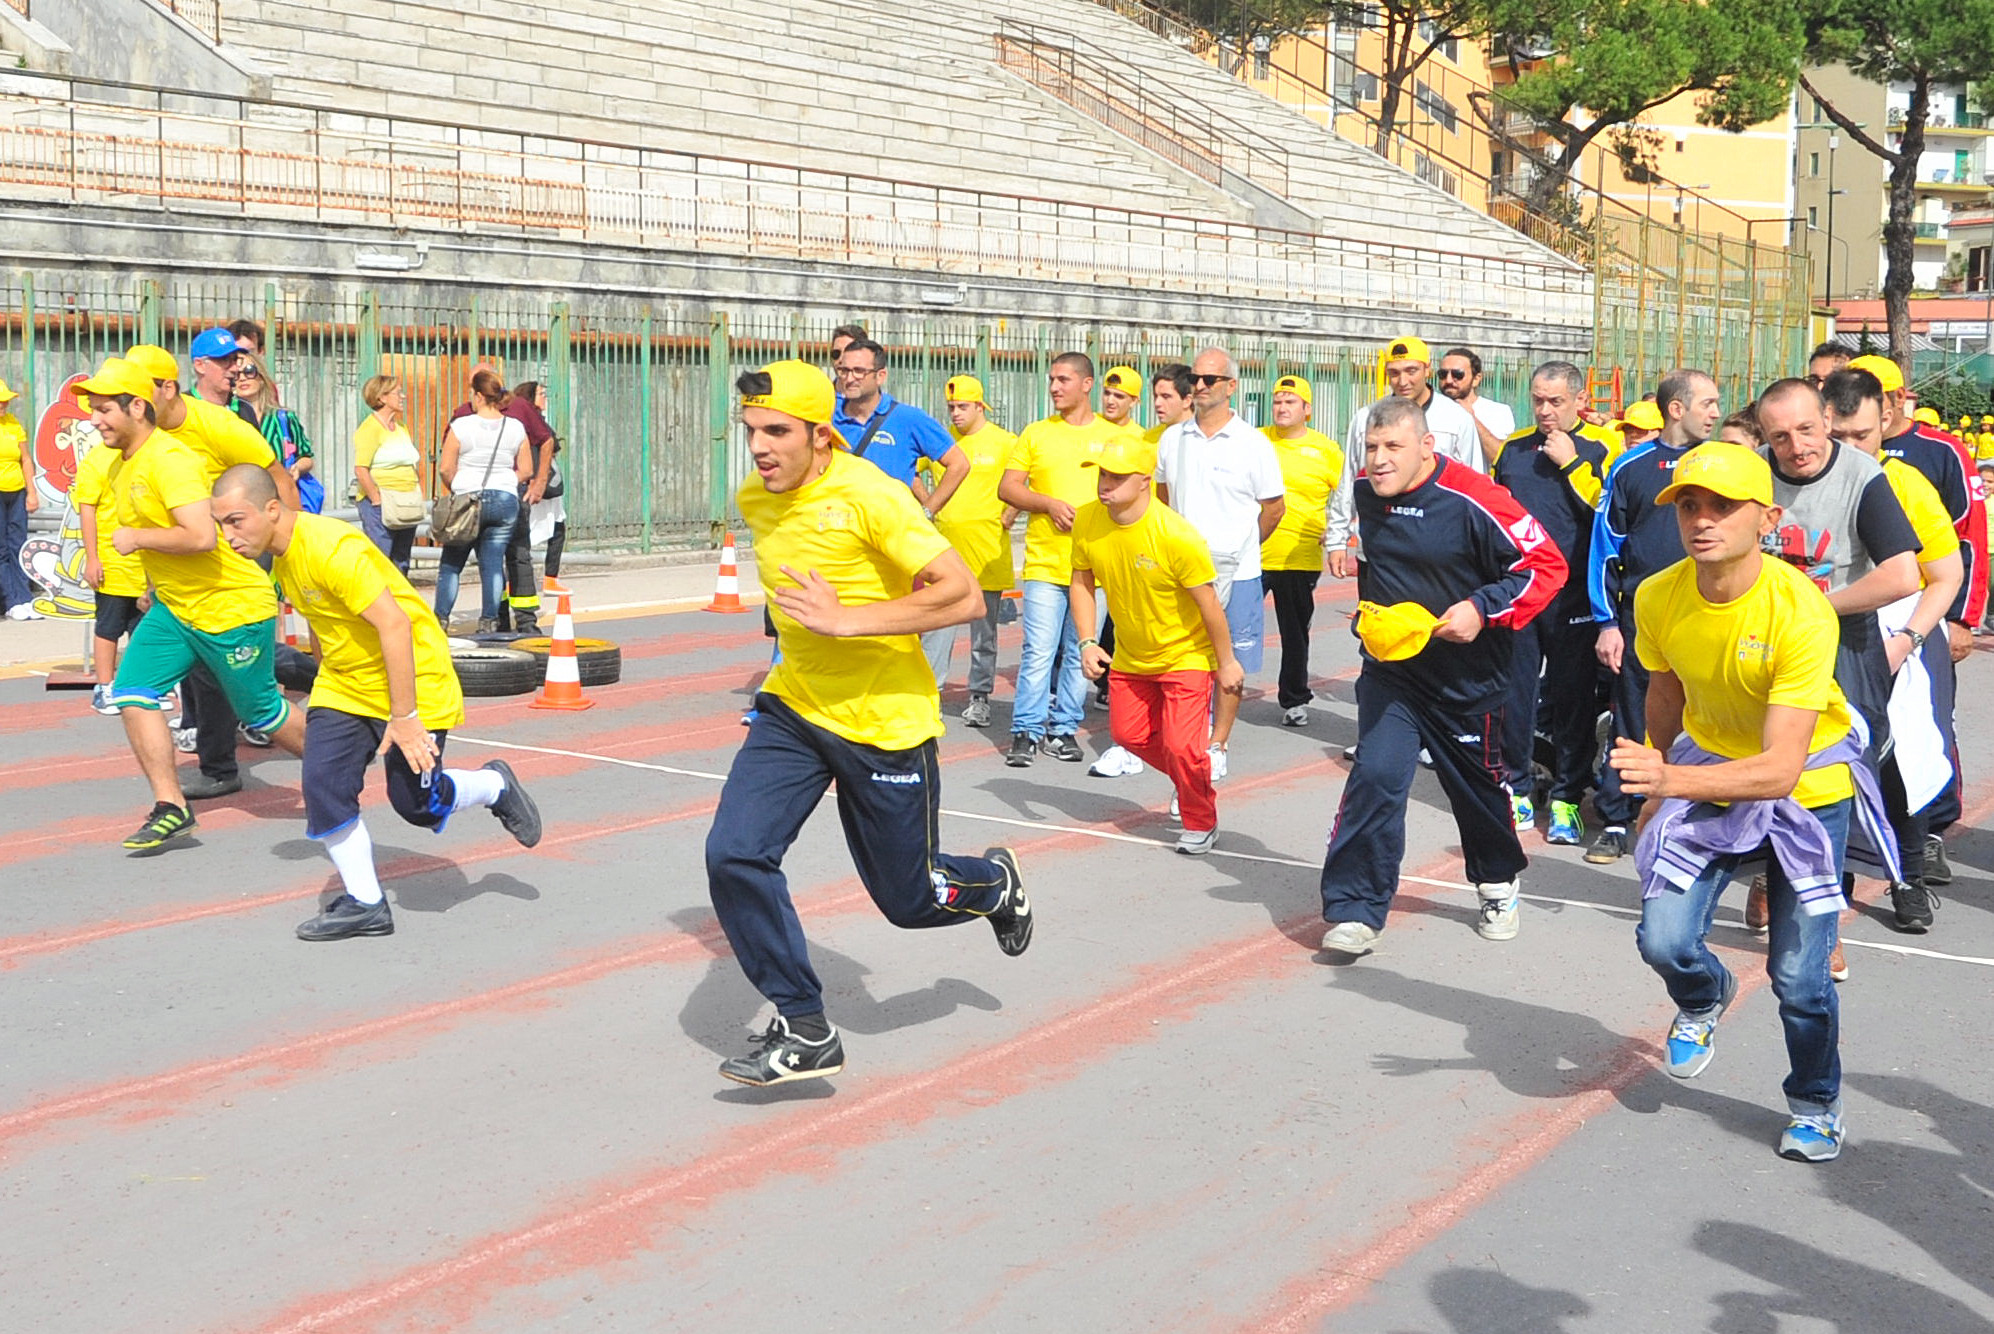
(203, 788)
(347, 916)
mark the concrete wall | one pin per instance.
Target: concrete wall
(136, 41)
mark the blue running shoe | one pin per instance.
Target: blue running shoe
(1566, 826)
(1690, 1037)
(1812, 1139)
(1525, 813)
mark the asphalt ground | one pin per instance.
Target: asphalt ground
(1173, 1113)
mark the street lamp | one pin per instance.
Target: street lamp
(1834, 142)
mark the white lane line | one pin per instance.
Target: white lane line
(1116, 836)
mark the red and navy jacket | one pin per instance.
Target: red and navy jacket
(1457, 536)
(1948, 465)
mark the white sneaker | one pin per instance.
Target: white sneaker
(1425, 758)
(1196, 842)
(100, 700)
(186, 740)
(1218, 762)
(1501, 916)
(1350, 751)
(1352, 938)
(1115, 762)
(1296, 717)
(252, 736)
(1176, 816)
(21, 611)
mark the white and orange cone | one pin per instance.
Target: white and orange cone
(563, 687)
(727, 589)
(287, 622)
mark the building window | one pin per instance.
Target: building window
(1813, 164)
(1813, 216)
(1436, 106)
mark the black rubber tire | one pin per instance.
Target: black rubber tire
(497, 671)
(600, 661)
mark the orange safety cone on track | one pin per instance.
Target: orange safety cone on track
(563, 687)
(727, 589)
(287, 622)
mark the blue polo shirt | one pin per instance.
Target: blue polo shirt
(907, 436)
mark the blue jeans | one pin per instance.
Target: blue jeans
(14, 586)
(501, 511)
(395, 543)
(1049, 634)
(1671, 936)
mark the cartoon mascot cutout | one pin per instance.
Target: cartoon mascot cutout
(63, 435)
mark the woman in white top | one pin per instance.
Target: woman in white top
(484, 453)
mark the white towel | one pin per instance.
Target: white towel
(1914, 728)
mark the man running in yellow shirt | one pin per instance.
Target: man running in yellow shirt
(386, 687)
(1291, 556)
(1158, 574)
(978, 525)
(118, 580)
(209, 608)
(853, 573)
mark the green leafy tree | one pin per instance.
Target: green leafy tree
(1922, 43)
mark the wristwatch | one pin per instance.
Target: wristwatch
(1917, 640)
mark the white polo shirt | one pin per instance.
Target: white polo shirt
(1498, 417)
(1454, 437)
(1217, 481)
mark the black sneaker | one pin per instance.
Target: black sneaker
(781, 1056)
(1023, 749)
(525, 623)
(1938, 871)
(203, 788)
(514, 808)
(1911, 903)
(1013, 917)
(166, 823)
(347, 916)
(1063, 748)
(1609, 847)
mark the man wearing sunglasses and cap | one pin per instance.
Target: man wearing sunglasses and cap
(1404, 365)
(215, 356)
(1453, 565)
(853, 574)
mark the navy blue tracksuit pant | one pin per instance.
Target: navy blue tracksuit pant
(890, 803)
(1367, 845)
(1616, 807)
(1555, 661)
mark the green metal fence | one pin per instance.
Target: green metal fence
(642, 397)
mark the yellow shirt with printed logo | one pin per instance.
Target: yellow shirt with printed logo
(972, 521)
(220, 438)
(1775, 644)
(865, 534)
(1147, 569)
(96, 479)
(1311, 464)
(1052, 453)
(1937, 538)
(13, 453)
(211, 591)
(332, 572)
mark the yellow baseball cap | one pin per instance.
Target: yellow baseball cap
(1730, 470)
(797, 388)
(116, 376)
(1394, 633)
(1929, 416)
(1296, 385)
(963, 389)
(7, 394)
(1988, 420)
(154, 361)
(1125, 378)
(1125, 453)
(1888, 373)
(1644, 415)
(1407, 348)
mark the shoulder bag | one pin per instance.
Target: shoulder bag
(455, 519)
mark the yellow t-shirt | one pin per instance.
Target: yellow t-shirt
(13, 446)
(1147, 570)
(1051, 452)
(332, 572)
(211, 591)
(865, 534)
(1773, 645)
(1311, 465)
(972, 520)
(368, 439)
(220, 439)
(96, 480)
(1983, 447)
(1937, 538)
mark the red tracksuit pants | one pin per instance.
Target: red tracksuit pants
(1165, 720)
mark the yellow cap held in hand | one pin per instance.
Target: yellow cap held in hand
(1397, 632)
(797, 388)
(1729, 470)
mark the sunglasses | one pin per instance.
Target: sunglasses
(1207, 381)
(1455, 375)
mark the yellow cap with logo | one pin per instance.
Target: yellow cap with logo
(1643, 415)
(1732, 471)
(154, 361)
(114, 378)
(1397, 632)
(963, 389)
(1929, 416)
(1296, 385)
(797, 388)
(1887, 372)
(1126, 453)
(1125, 378)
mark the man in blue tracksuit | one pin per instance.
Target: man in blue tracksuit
(1632, 538)
(1556, 470)
(1445, 552)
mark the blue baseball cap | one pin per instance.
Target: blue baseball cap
(214, 345)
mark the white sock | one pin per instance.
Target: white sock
(352, 851)
(474, 787)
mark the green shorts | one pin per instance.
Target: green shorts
(243, 661)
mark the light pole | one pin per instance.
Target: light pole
(1834, 142)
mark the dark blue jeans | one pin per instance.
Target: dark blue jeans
(890, 804)
(1671, 939)
(501, 511)
(14, 586)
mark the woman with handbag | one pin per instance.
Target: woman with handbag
(281, 427)
(485, 458)
(384, 468)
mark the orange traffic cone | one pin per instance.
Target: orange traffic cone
(563, 687)
(287, 622)
(727, 590)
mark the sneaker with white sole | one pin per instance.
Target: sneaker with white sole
(1692, 1037)
(186, 740)
(781, 1056)
(1196, 842)
(21, 611)
(1011, 919)
(1296, 717)
(1117, 762)
(1501, 917)
(1523, 814)
(976, 713)
(1813, 1139)
(253, 736)
(1217, 754)
(1176, 816)
(1352, 938)
(100, 700)
(1567, 828)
